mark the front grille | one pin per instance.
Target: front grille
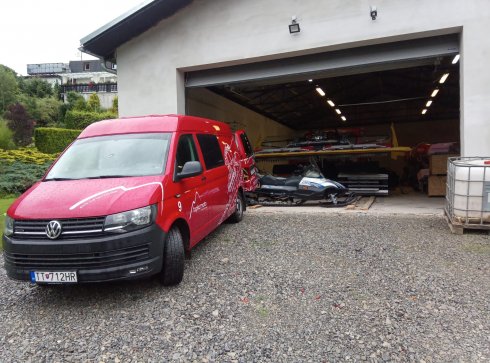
(79, 260)
(71, 228)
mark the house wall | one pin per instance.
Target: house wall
(204, 103)
(218, 33)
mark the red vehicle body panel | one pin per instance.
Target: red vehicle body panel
(203, 202)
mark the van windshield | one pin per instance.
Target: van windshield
(113, 156)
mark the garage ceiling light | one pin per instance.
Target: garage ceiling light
(343, 118)
(331, 103)
(338, 111)
(424, 111)
(443, 78)
(320, 91)
(456, 59)
(435, 92)
(428, 103)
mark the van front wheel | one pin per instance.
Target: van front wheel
(237, 216)
(173, 258)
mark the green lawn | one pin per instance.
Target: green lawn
(4, 205)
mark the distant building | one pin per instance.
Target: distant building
(84, 77)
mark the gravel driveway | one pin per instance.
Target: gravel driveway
(347, 287)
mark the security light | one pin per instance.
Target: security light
(294, 26)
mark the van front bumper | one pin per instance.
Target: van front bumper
(124, 256)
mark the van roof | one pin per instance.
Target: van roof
(154, 123)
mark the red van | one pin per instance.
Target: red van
(247, 156)
(127, 199)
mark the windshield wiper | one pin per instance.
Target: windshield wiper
(59, 179)
(107, 176)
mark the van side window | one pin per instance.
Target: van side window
(213, 157)
(186, 151)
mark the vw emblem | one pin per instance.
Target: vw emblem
(53, 229)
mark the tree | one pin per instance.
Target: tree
(8, 87)
(36, 87)
(20, 123)
(93, 103)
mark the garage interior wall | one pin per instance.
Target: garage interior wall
(203, 103)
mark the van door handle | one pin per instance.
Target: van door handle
(203, 178)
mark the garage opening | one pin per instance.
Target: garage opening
(380, 119)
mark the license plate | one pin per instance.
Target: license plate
(58, 277)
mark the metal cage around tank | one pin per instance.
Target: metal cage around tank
(468, 192)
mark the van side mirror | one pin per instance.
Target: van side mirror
(191, 168)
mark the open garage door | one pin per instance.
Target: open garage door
(337, 63)
(375, 113)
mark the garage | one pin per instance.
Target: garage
(409, 80)
(400, 98)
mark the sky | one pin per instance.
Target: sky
(49, 31)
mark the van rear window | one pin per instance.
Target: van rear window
(246, 145)
(113, 156)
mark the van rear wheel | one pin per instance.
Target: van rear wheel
(173, 258)
(237, 216)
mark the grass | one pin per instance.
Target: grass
(4, 205)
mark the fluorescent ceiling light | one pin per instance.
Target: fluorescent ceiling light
(443, 78)
(338, 111)
(331, 103)
(424, 111)
(435, 92)
(320, 91)
(343, 118)
(456, 59)
(428, 103)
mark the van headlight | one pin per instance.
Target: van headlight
(130, 220)
(9, 226)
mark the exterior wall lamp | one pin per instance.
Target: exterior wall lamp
(294, 26)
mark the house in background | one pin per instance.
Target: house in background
(84, 77)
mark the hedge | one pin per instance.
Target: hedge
(16, 178)
(26, 156)
(53, 140)
(75, 119)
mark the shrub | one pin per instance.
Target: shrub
(6, 141)
(115, 105)
(25, 155)
(20, 123)
(75, 119)
(36, 87)
(53, 140)
(93, 103)
(17, 177)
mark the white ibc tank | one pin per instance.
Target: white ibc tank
(468, 193)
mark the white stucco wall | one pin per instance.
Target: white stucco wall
(212, 33)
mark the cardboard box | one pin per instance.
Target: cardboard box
(438, 164)
(437, 186)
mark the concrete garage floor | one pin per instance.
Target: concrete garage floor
(412, 203)
(277, 287)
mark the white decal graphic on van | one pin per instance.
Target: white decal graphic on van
(232, 162)
(197, 205)
(104, 193)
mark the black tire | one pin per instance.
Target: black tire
(237, 216)
(173, 259)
